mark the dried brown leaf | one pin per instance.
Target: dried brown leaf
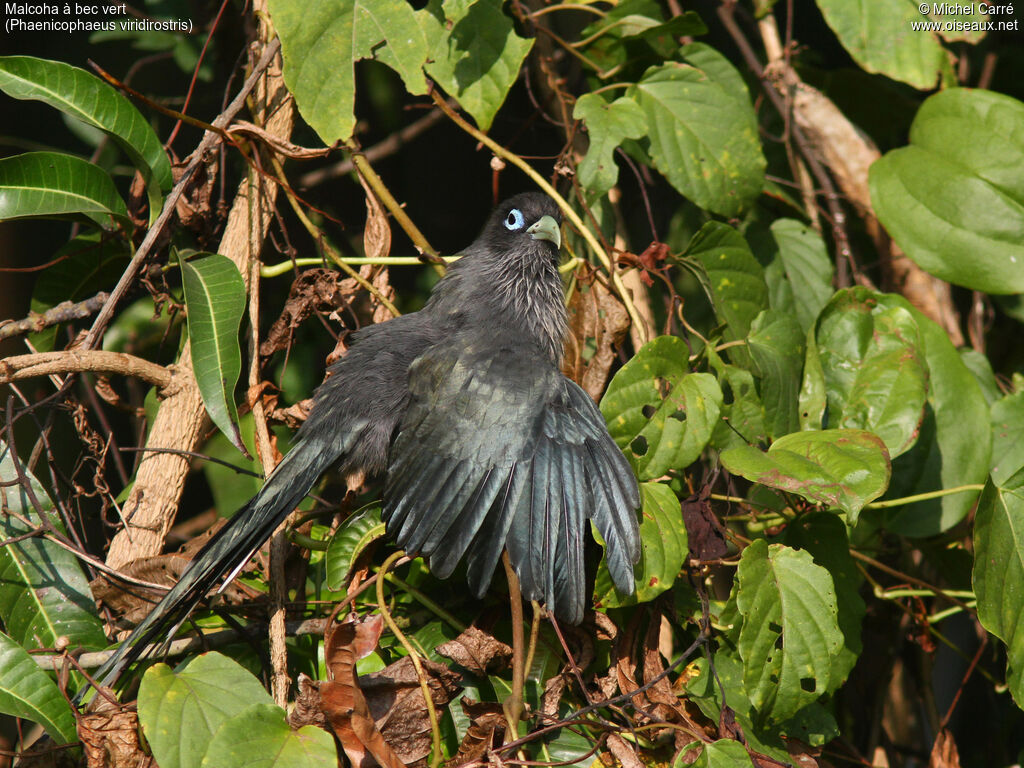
(944, 752)
(477, 651)
(623, 752)
(314, 290)
(110, 737)
(597, 323)
(704, 531)
(485, 732)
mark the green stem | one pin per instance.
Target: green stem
(429, 604)
(924, 496)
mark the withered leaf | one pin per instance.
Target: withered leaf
(477, 651)
(597, 323)
(704, 530)
(110, 737)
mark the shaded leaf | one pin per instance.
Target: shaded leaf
(954, 198)
(998, 576)
(807, 268)
(840, 468)
(26, 691)
(215, 299)
(777, 346)
(44, 594)
(55, 185)
(607, 125)
(657, 412)
(1007, 437)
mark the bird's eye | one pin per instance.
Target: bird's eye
(515, 220)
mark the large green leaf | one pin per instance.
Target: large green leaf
(777, 347)
(743, 415)
(873, 360)
(608, 123)
(790, 636)
(724, 753)
(703, 136)
(956, 437)
(321, 43)
(880, 36)
(824, 536)
(738, 289)
(663, 549)
(44, 594)
(181, 711)
(999, 572)
(215, 298)
(85, 97)
(1007, 437)
(349, 542)
(55, 185)
(659, 413)
(841, 468)
(475, 53)
(27, 691)
(954, 198)
(260, 737)
(801, 254)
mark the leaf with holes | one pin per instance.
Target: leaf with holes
(215, 298)
(659, 413)
(790, 636)
(840, 468)
(663, 549)
(349, 542)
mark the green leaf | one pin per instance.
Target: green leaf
(790, 635)
(999, 572)
(657, 412)
(321, 43)
(476, 53)
(724, 753)
(607, 125)
(738, 289)
(776, 344)
(44, 594)
(180, 711)
(55, 185)
(807, 267)
(703, 136)
(1007, 437)
(954, 198)
(873, 359)
(663, 549)
(824, 536)
(26, 691)
(349, 542)
(215, 299)
(260, 737)
(85, 97)
(879, 36)
(742, 413)
(840, 468)
(956, 438)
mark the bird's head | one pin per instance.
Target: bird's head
(529, 221)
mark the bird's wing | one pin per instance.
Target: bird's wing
(499, 450)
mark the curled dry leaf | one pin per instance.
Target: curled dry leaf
(704, 531)
(477, 651)
(110, 737)
(485, 732)
(623, 752)
(597, 325)
(314, 290)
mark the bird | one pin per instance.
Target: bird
(482, 443)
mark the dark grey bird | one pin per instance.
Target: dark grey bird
(483, 444)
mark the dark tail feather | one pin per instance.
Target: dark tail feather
(227, 552)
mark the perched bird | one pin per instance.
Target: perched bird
(483, 444)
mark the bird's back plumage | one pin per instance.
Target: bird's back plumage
(483, 443)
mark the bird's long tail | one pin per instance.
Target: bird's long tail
(226, 552)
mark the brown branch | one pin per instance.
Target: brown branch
(79, 361)
(64, 312)
(171, 201)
